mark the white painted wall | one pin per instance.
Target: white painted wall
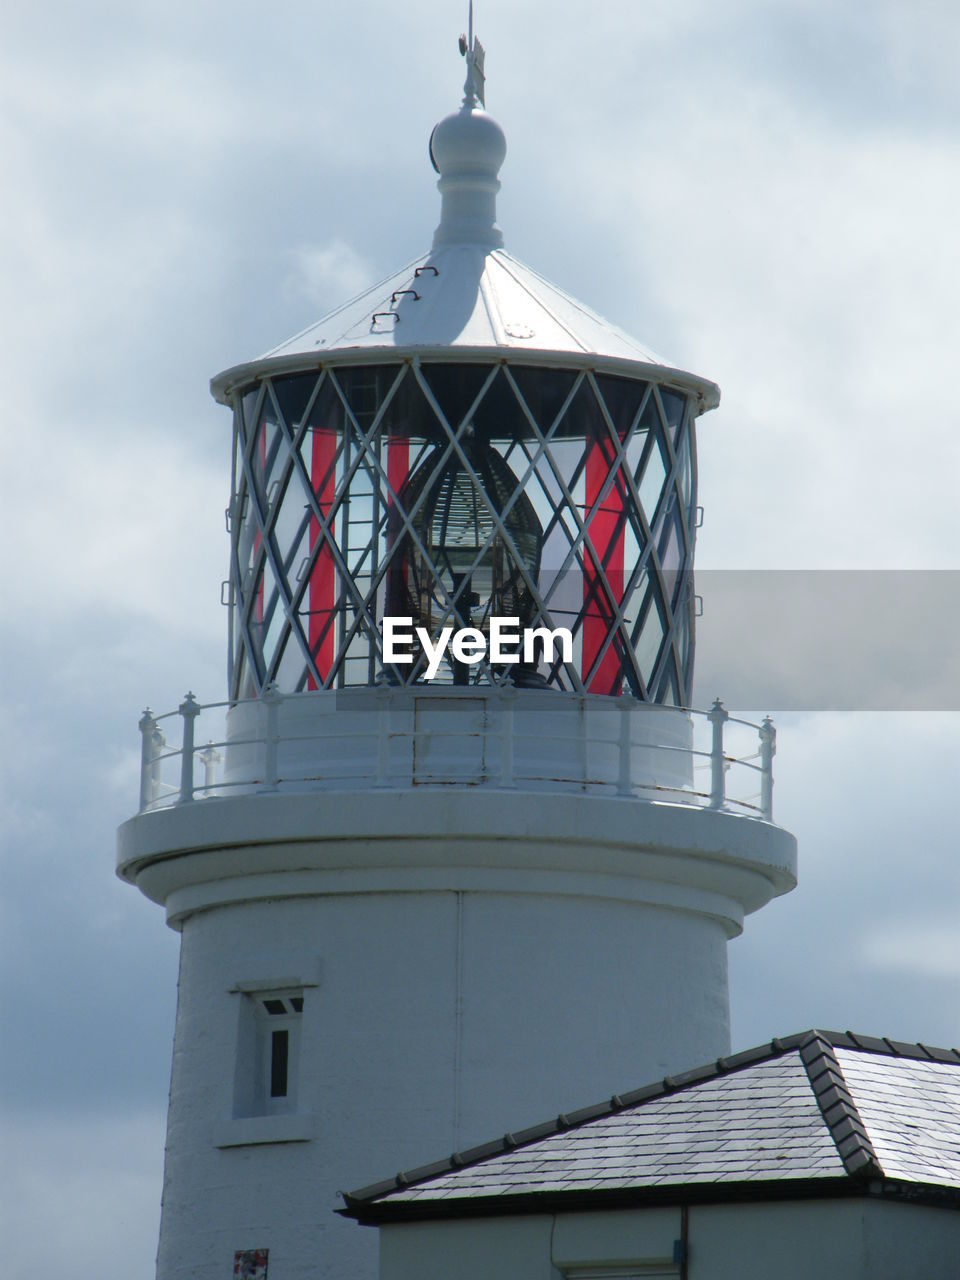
(487, 1249)
(438, 1019)
(802, 1240)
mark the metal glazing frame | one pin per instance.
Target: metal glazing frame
(341, 520)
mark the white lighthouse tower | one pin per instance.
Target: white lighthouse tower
(412, 909)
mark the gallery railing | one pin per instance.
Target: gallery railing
(501, 738)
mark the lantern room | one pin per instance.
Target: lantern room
(463, 442)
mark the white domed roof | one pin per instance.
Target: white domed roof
(463, 295)
(467, 297)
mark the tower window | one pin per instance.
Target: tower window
(279, 1061)
(268, 1052)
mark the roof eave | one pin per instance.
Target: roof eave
(225, 384)
(385, 1212)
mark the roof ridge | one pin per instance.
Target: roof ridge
(891, 1048)
(584, 309)
(839, 1111)
(551, 312)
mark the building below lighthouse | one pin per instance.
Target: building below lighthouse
(824, 1153)
(414, 910)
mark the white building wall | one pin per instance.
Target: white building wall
(487, 1249)
(801, 1240)
(567, 1000)
(825, 1240)
(910, 1240)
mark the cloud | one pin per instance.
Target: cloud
(80, 1194)
(872, 640)
(767, 192)
(327, 275)
(137, 527)
(927, 946)
(868, 799)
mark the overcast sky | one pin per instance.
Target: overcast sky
(766, 193)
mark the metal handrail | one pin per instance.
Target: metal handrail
(504, 773)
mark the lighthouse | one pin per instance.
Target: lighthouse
(453, 848)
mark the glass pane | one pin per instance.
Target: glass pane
(670, 550)
(365, 386)
(243, 679)
(291, 537)
(685, 472)
(249, 410)
(239, 436)
(649, 639)
(564, 460)
(273, 616)
(409, 415)
(668, 692)
(673, 406)
(326, 416)
(583, 418)
(456, 387)
(623, 397)
(684, 621)
(544, 391)
(267, 453)
(499, 416)
(642, 437)
(650, 481)
(293, 395)
(631, 549)
(291, 665)
(279, 1059)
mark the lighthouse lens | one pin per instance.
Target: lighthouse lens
(472, 551)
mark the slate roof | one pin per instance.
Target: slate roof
(816, 1113)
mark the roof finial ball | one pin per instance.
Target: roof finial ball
(467, 149)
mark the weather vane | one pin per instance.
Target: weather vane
(473, 51)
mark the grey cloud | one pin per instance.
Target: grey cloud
(716, 180)
(845, 640)
(868, 798)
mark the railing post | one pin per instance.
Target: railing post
(271, 699)
(718, 716)
(147, 729)
(768, 749)
(625, 782)
(508, 696)
(209, 758)
(156, 762)
(189, 710)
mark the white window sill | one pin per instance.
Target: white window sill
(247, 1131)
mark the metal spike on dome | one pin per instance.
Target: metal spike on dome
(475, 84)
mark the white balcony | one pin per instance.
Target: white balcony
(416, 737)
